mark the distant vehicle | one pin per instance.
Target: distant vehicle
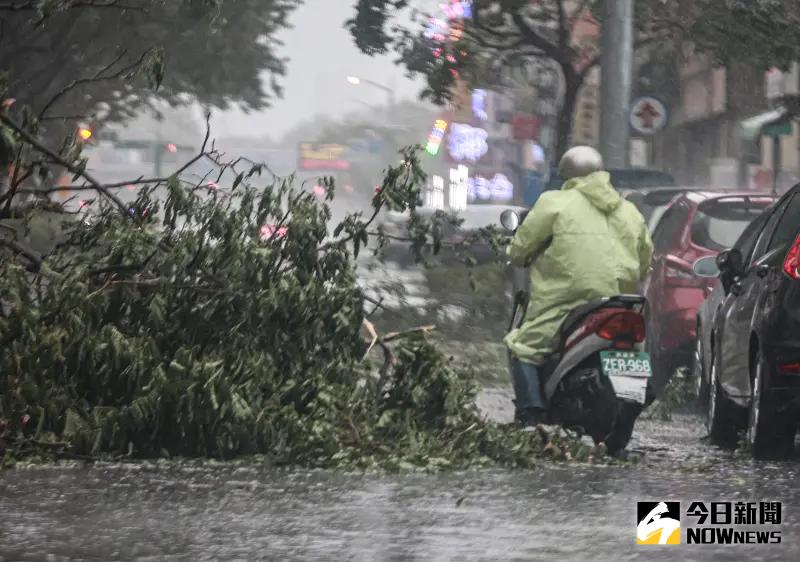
(653, 202)
(696, 225)
(458, 241)
(754, 375)
(625, 178)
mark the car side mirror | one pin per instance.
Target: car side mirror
(510, 220)
(706, 267)
(731, 266)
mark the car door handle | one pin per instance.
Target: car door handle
(737, 289)
(762, 271)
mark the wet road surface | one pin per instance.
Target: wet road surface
(147, 512)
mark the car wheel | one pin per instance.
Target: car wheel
(722, 417)
(770, 432)
(698, 371)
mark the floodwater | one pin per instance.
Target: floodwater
(148, 513)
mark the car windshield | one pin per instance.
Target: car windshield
(718, 224)
(652, 204)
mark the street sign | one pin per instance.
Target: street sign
(648, 115)
(782, 129)
(315, 156)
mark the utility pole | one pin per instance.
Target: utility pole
(616, 60)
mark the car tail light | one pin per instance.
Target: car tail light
(623, 326)
(789, 369)
(791, 265)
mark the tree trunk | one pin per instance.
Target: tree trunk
(566, 116)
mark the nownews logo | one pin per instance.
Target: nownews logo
(716, 523)
(659, 523)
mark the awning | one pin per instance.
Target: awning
(750, 129)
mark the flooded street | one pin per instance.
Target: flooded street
(154, 512)
(146, 512)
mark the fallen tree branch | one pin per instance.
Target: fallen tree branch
(406, 333)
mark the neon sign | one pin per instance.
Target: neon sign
(498, 188)
(479, 104)
(436, 136)
(458, 9)
(434, 197)
(437, 29)
(501, 187)
(459, 188)
(467, 142)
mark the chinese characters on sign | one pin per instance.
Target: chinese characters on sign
(313, 156)
(717, 521)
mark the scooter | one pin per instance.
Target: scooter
(597, 380)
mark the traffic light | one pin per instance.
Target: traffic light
(85, 133)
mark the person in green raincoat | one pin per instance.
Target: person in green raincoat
(582, 243)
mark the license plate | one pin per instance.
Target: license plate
(625, 364)
(628, 372)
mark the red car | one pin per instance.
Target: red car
(696, 225)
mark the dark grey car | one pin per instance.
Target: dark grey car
(706, 314)
(754, 373)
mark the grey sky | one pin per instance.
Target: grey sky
(321, 54)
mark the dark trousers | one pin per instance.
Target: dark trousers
(527, 385)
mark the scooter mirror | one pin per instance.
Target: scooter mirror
(509, 219)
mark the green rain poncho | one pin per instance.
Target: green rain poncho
(583, 242)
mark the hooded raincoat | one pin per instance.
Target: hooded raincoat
(583, 243)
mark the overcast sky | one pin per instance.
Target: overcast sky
(321, 55)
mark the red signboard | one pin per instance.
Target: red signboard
(525, 127)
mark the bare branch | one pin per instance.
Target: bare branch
(32, 5)
(563, 27)
(98, 77)
(533, 37)
(41, 148)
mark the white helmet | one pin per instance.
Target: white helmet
(579, 161)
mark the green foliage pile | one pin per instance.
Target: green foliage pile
(187, 328)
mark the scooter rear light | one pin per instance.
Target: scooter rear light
(791, 265)
(623, 326)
